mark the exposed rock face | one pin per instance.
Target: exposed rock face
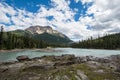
(49, 35)
(44, 29)
(22, 58)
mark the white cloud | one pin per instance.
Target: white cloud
(86, 1)
(76, 1)
(7, 9)
(106, 15)
(106, 18)
(4, 18)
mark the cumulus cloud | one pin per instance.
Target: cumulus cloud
(106, 15)
(105, 18)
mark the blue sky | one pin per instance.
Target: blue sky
(29, 5)
(78, 19)
(34, 5)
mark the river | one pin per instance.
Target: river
(9, 56)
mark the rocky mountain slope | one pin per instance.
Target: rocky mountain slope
(44, 29)
(45, 33)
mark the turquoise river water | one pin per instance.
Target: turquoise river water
(8, 56)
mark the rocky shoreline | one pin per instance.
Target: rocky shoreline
(12, 50)
(65, 67)
(41, 50)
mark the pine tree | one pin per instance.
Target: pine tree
(1, 37)
(106, 42)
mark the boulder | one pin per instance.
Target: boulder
(40, 66)
(58, 58)
(80, 59)
(93, 64)
(83, 59)
(115, 58)
(68, 57)
(66, 63)
(23, 58)
(118, 69)
(89, 58)
(99, 71)
(82, 75)
(102, 60)
(36, 58)
(3, 69)
(49, 57)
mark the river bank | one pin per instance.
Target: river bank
(48, 49)
(65, 67)
(12, 50)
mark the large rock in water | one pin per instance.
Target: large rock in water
(23, 58)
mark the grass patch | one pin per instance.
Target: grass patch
(96, 75)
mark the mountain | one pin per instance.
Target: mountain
(45, 33)
(107, 42)
(21, 33)
(35, 30)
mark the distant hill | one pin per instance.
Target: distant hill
(107, 42)
(45, 33)
(21, 33)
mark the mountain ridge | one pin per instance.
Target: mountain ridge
(45, 33)
(44, 29)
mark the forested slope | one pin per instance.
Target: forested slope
(107, 42)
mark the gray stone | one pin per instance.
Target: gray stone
(3, 69)
(82, 75)
(23, 58)
(40, 66)
(99, 71)
(64, 63)
(89, 58)
(68, 56)
(103, 60)
(93, 64)
(77, 77)
(83, 59)
(118, 69)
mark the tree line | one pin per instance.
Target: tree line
(107, 42)
(8, 40)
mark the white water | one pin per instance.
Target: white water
(8, 56)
